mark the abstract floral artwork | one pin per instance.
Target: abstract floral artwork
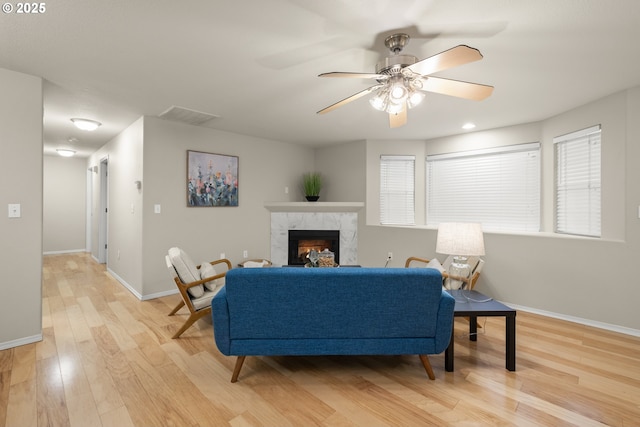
(212, 179)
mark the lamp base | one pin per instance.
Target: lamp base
(459, 273)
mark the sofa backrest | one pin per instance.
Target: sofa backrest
(326, 303)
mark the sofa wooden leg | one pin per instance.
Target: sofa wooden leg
(427, 366)
(236, 370)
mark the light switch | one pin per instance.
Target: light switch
(14, 210)
(156, 208)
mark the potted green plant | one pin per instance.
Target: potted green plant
(311, 185)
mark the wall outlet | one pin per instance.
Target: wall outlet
(286, 190)
(222, 255)
(389, 256)
(245, 253)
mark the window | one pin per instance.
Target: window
(577, 182)
(397, 190)
(498, 187)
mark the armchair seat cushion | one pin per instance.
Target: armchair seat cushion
(205, 300)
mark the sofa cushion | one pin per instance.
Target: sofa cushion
(187, 270)
(294, 303)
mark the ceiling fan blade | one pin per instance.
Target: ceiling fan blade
(473, 91)
(355, 75)
(400, 119)
(349, 99)
(453, 57)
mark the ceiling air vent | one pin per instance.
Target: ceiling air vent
(185, 115)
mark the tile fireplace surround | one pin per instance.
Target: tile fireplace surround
(341, 216)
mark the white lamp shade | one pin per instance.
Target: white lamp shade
(460, 238)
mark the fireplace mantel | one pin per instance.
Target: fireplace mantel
(342, 216)
(313, 206)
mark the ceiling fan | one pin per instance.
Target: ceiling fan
(402, 80)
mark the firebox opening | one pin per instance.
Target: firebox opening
(301, 242)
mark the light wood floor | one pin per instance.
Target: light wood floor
(107, 359)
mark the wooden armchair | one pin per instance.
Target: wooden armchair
(475, 263)
(198, 284)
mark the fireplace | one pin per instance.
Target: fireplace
(303, 241)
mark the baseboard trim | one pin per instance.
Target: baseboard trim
(21, 341)
(70, 251)
(580, 320)
(138, 294)
(159, 295)
(125, 284)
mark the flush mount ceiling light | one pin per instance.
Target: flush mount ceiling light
(468, 126)
(64, 152)
(86, 124)
(403, 79)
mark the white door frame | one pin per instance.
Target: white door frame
(89, 209)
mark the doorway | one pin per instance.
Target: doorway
(103, 220)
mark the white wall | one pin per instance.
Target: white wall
(578, 278)
(64, 204)
(154, 151)
(124, 155)
(265, 168)
(332, 162)
(21, 182)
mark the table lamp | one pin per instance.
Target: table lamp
(461, 240)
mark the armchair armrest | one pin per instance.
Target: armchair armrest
(415, 259)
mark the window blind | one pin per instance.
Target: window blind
(397, 194)
(499, 188)
(577, 182)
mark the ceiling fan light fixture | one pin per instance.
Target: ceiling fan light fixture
(394, 108)
(379, 102)
(398, 90)
(86, 124)
(415, 99)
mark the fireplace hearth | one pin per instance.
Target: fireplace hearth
(301, 242)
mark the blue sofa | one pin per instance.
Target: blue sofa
(332, 311)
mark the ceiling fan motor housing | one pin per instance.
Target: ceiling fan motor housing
(394, 64)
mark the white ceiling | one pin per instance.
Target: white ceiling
(255, 63)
